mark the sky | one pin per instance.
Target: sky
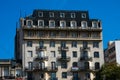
(108, 11)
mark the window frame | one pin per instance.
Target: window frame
(64, 74)
(62, 15)
(83, 15)
(53, 25)
(42, 23)
(96, 54)
(73, 15)
(61, 25)
(51, 14)
(41, 14)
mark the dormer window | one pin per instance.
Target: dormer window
(73, 24)
(51, 14)
(62, 15)
(83, 24)
(94, 24)
(72, 15)
(83, 15)
(40, 23)
(51, 23)
(40, 14)
(29, 23)
(62, 24)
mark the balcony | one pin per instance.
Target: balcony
(52, 69)
(40, 48)
(43, 58)
(86, 68)
(82, 69)
(63, 48)
(85, 58)
(38, 68)
(34, 27)
(75, 69)
(67, 59)
(28, 69)
(85, 48)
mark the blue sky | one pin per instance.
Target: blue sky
(106, 10)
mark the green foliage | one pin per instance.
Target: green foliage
(109, 71)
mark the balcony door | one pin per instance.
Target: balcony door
(86, 65)
(53, 65)
(63, 54)
(63, 44)
(85, 44)
(41, 54)
(53, 76)
(75, 76)
(42, 65)
(85, 54)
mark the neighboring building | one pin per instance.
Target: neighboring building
(9, 70)
(59, 45)
(112, 53)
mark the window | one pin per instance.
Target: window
(64, 65)
(85, 44)
(41, 34)
(40, 23)
(52, 43)
(41, 75)
(53, 54)
(72, 15)
(40, 14)
(62, 15)
(64, 74)
(63, 44)
(96, 54)
(51, 23)
(41, 43)
(52, 34)
(97, 65)
(94, 24)
(73, 24)
(29, 34)
(95, 44)
(87, 75)
(86, 65)
(6, 71)
(74, 53)
(42, 65)
(83, 15)
(62, 23)
(63, 34)
(30, 65)
(74, 43)
(51, 14)
(29, 23)
(74, 64)
(29, 43)
(53, 65)
(41, 54)
(30, 54)
(74, 35)
(83, 24)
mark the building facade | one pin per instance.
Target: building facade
(112, 53)
(9, 70)
(59, 45)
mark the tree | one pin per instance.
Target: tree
(109, 71)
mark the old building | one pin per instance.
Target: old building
(112, 52)
(9, 69)
(59, 45)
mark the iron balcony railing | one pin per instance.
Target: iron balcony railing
(85, 58)
(63, 48)
(41, 58)
(59, 58)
